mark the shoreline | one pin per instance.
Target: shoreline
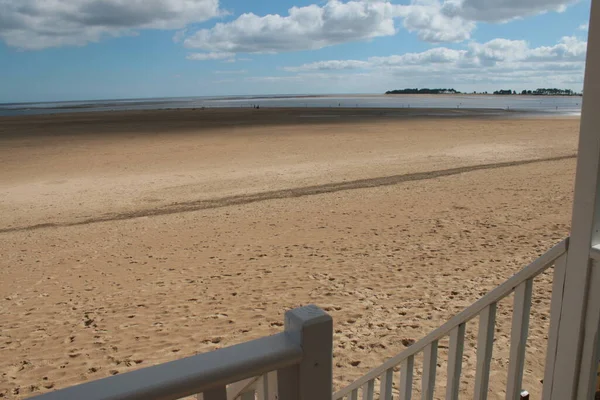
(372, 101)
(273, 96)
(303, 112)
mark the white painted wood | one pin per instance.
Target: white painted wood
(429, 371)
(406, 378)
(236, 389)
(354, 395)
(584, 228)
(518, 338)
(272, 385)
(455, 353)
(219, 393)
(485, 346)
(385, 386)
(192, 375)
(595, 253)
(589, 359)
(262, 388)
(302, 354)
(266, 389)
(369, 390)
(558, 282)
(288, 383)
(251, 395)
(535, 268)
(313, 329)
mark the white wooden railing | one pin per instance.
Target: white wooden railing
(297, 364)
(300, 357)
(521, 284)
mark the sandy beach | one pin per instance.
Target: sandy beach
(134, 238)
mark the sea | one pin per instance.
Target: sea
(557, 105)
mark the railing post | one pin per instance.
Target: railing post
(585, 233)
(312, 379)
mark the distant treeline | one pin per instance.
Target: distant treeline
(422, 91)
(541, 92)
(537, 92)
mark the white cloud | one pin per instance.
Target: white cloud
(439, 55)
(179, 36)
(496, 61)
(329, 65)
(314, 27)
(305, 28)
(211, 56)
(584, 27)
(38, 24)
(433, 24)
(231, 72)
(498, 50)
(310, 78)
(569, 48)
(274, 79)
(501, 10)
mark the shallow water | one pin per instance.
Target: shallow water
(561, 105)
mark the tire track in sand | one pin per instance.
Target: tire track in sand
(196, 205)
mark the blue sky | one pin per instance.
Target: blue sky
(98, 49)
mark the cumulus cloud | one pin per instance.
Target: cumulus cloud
(305, 28)
(211, 56)
(569, 48)
(310, 78)
(498, 60)
(433, 22)
(439, 55)
(329, 65)
(314, 27)
(38, 24)
(584, 27)
(501, 10)
(497, 50)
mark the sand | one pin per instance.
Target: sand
(130, 239)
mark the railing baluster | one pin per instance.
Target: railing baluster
(485, 346)
(385, 388)
(249, 395)
(429, 370)
(219, 393)
(368, 390)
(272, 385)
(518, 338)
(558, 282)
(354, 395)
(267, 388)
(262, 388)
(235, 389)
(406, 378)
(457, 341)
